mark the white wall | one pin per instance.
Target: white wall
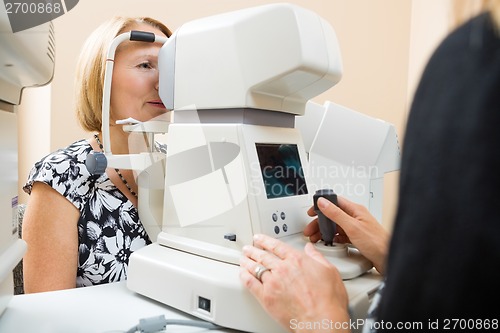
(34, 130)
(430, 21)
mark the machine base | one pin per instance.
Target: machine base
(211, 290)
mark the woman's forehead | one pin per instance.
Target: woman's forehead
(145, 27)
(136, 49)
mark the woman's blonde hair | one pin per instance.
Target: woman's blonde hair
(89, 80)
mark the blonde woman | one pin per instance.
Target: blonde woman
(81, 228)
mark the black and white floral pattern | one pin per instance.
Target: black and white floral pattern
(109, 229)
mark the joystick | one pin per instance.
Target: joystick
(327, 227)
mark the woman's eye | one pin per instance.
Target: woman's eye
(145, 65)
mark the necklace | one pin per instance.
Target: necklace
(124, 181)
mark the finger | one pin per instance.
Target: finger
(272, 245)
(247, 263)
(348, 206)
(311, 212)
(315, 238)
(335, 213)
(251, 283)
(341, 236)
(312, 231)
(251, 266)
(312, 228)
(260, 256)
(341, 239)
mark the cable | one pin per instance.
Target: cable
(159, 323)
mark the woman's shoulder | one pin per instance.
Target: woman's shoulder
(77, 152)
(63, 169)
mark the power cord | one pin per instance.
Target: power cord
(159, 323)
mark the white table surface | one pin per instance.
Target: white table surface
(100, 309)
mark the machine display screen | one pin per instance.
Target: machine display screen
(281, 169)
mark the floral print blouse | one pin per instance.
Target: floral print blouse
(109, 229)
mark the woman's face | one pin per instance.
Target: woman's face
(134, 87)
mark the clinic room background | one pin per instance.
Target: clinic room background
(384, 45)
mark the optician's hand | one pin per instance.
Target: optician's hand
(298, 288)
(355, 225)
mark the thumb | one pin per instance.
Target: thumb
(335, 213)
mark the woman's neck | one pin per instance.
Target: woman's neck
(119, 140)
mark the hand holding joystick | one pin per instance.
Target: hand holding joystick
(327, 227)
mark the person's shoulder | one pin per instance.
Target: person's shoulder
(474, 35)
(75, 148)
(64, 170)
(469, 50)
(77, 152)
(64, 164)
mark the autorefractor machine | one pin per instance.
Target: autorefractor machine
(247, 150)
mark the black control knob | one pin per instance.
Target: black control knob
(327, 227)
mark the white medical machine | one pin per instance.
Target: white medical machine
(241, 141)
(26, 60)
(349, 152)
